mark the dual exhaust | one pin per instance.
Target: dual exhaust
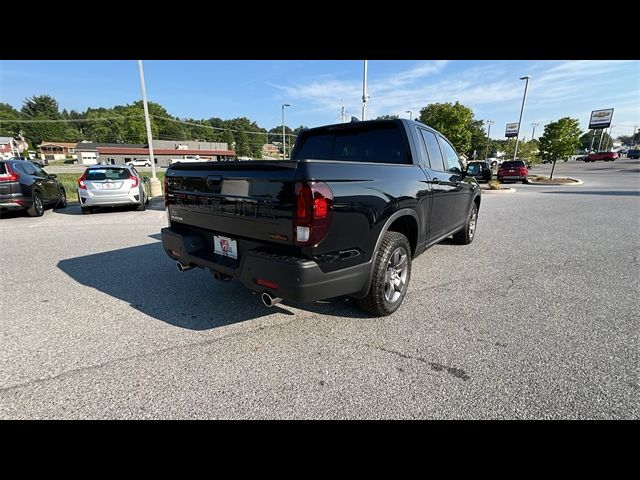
(267, 298)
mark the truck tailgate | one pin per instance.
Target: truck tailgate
(242, 199)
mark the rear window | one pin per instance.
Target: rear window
(381, 143)
(513, 164)
(108, 174)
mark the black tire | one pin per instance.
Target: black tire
(381, 300)
(468, 233)
(525, 181)
(86, 210)
(142, 206)
(37, 207)
(62, 202)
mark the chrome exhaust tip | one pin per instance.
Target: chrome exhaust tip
(182, 267)
(269, 300)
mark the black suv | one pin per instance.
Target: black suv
(24, 185)
(485, 170)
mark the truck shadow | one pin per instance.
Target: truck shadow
(145, 278)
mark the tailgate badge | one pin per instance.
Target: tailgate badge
(277, 236)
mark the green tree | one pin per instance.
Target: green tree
(387, 117)
(478, 139)
(585, 140)
(8, 113)
(528, 151)
(560, 140)
(228, 139)
(45, 107)
(454, 121)
(242, 144)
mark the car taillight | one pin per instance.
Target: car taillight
(134, 181)
(81, 180)
(313, 212)
(10, 176)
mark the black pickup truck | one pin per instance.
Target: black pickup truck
(345, 216)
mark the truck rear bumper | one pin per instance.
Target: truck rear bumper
(297, 279)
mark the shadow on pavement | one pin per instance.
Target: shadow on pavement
(145, 278)
(615, 193)
(74, 208)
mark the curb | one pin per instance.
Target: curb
(576, 181)
(502, 190)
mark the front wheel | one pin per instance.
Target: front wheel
(466, 235)
(391, 274)
(62, 202)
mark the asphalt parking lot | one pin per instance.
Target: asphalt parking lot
(538, 318)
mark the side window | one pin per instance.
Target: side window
(39, 171)
(451, 159)
(28, 168)
(435, 155)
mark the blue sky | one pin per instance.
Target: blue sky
(256, 89)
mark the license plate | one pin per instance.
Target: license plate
(109, 185)
(225, 246)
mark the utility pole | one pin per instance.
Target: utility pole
(155, 183)
(342, 110)
(284, 139)
(486, 149)
(365, 97)
(533, 133)
(524, 98)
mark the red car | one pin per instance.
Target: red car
(513, 170)
(606, 156)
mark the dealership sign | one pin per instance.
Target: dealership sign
(601, 118)
(512, 130)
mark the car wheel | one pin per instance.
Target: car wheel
(86, 210)
(467, 234)
(62, 202)
(37, 208)
(142, 206)
(524, 180)
(391, 274)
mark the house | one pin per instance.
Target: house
(57, 150)
(163, 156)
(270, 149)
(8, 148)
(87, 152)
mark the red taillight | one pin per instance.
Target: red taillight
(267, 283)
(10, 176)
(314, 212)
(81, 180)
(134, 181)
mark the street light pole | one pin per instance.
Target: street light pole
(155, 183)
(342, 110)
(533, 134)
(410, 114)
(524, 98)
(284, 139)
(365, 97)
(486, 148)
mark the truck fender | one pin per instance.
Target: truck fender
(400, 213)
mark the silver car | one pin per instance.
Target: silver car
(112, 186)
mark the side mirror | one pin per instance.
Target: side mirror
(472, 170)
(53, 175)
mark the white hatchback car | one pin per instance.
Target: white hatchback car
(112, 186)
(139, 162)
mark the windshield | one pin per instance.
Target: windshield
(108, 174)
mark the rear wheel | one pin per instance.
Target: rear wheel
(142, 206)
(466, 235)
(62, 202)
(37, 208)
(391, 274)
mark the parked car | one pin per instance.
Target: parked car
(138, 163)
(25, 186)
(633, 153)
(485, 170)
(112, 186)
(345, 216)
(606, 156)
(513, 170)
